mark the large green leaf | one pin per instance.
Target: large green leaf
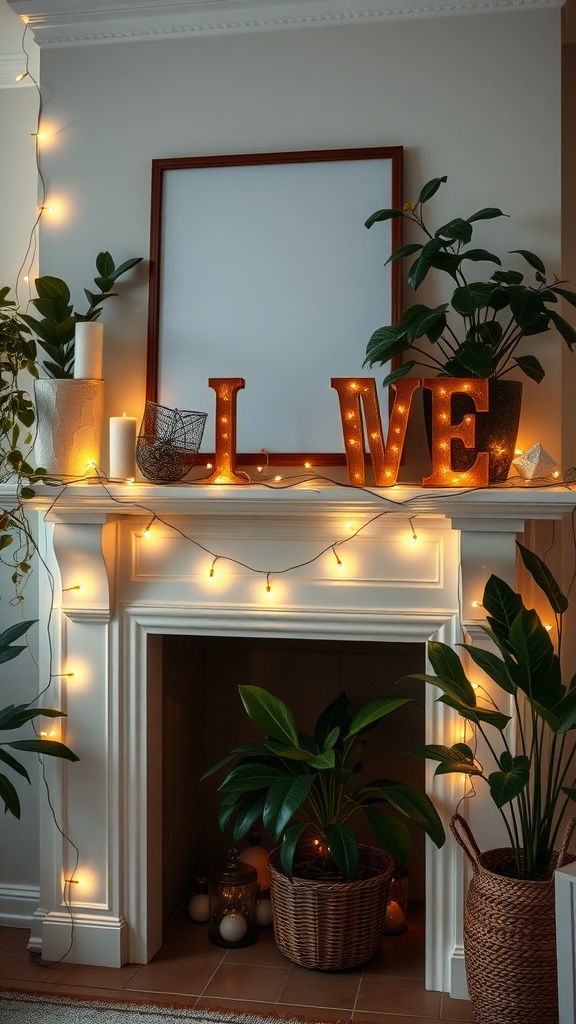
(249, 811)
(51, 747)
(283, 799)
(565, 712)
(381, 215)
(538, 673)
(419, 320)
(373, 711)
(430, 188)
(336, 715)
(526, 306)
(458, 758)
(507, 784)
(49, 287)
(449, 669)
(16, 715)
(391, 833)
(565, 330)
(290, 841)
(343, 847)
(487, 213)
(416, 805)
(401, 371)
(531, 367)
(477, 358)
(534, 261)
(13, 764)
(471, 297)
(8, 653)
(493, 666)
(543, 578)
(456, 230)
(475, 713)
(270, 714)
(403, 251)
(9, 796)
(480, 256)
(246, 777)
(502, 605)
(230, 803)
(423, 263)
(385, 344)
(569, 296)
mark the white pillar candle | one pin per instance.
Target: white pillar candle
(122, 446)
(88, 347)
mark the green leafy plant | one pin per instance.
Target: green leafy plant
(17, 416)
(57, 324)
(477, 333)
(532, 781)
(13, 718)
(296, 784)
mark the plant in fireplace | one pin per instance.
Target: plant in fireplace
(328, 890)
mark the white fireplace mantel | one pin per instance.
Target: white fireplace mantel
(116, 592)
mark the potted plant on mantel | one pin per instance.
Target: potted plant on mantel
(509, 924)
(478, 332)
(328, 892)
(70, 411)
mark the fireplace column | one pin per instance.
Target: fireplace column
(81, 555)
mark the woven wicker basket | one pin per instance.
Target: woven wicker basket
(331, 926)
(509, 937)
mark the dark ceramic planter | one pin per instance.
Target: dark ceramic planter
(496, 430)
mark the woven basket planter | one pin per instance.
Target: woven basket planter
(509, 937)
(331, 926)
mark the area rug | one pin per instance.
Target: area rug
(22, 1008)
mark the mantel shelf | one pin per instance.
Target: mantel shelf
(309, 499)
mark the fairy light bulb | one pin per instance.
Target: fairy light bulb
(212, 567)
(268, 587)
(147, 529)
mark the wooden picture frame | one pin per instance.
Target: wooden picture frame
(261, 268)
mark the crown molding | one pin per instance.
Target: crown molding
(12, 64)
(71, 22)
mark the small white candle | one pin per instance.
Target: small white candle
(88, 348)
(122, 446)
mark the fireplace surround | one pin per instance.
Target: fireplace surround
(132, 563)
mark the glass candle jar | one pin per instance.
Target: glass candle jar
(232, 903)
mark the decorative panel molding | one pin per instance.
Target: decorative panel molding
(68, 22)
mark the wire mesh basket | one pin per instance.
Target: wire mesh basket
(168, 442)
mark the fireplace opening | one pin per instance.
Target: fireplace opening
(203, 718)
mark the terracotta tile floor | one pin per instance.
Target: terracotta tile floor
(189, 971)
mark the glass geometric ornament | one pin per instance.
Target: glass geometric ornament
(535, 463)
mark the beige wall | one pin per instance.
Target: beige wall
(459, 93)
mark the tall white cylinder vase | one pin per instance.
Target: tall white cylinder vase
(69, 415)
(88, 350)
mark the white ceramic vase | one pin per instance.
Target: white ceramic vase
(69, 416)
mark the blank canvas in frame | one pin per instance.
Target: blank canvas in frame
(262, 268)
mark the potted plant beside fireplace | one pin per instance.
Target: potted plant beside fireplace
(328, 891)
(480, 332)
(529, 768)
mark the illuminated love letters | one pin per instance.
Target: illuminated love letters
(360, 416)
